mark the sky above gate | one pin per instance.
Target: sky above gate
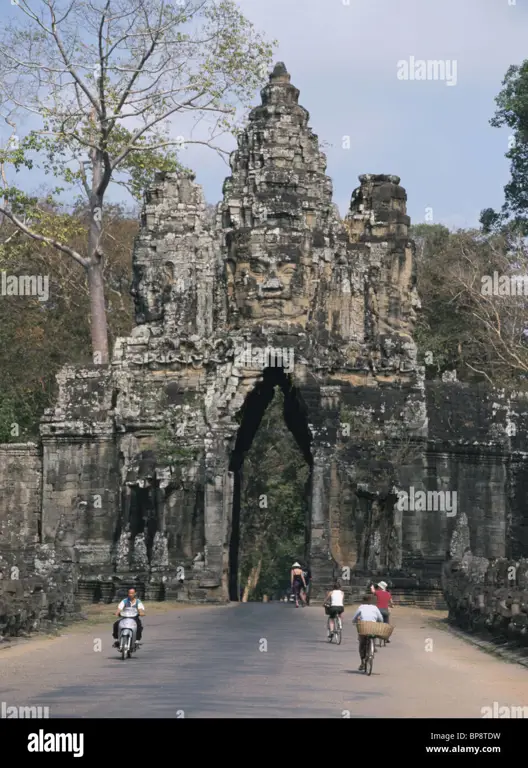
(357, 64)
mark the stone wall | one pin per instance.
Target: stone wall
(488, 597)
(20, 495)
(37, 582)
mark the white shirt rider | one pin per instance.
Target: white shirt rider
(138, 605)
(337, 598)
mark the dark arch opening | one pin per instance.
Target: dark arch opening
(251, 415)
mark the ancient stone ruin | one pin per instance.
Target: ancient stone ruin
(137, 475)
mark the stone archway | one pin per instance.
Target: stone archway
(296, 419)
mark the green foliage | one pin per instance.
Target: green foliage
(274, 468)
(38, 338)
(512, 111)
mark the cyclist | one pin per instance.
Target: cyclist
(334, 605)
(383, 600)
(297, 583)
(365, 612)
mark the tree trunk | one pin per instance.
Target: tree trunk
(252, 581)
(99, 326)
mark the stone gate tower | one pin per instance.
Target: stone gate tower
(142, 458)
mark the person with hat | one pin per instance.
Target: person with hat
(297, 583)
(383, 600)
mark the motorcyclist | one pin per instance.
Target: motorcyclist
(130, 602)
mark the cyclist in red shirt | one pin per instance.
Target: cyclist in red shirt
(383, 600)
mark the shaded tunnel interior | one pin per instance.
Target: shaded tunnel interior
(252, 412)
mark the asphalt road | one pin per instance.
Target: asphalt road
(258, 660)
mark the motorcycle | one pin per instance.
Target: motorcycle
(127, 633)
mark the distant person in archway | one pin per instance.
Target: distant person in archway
(298, 582)
(383, 600)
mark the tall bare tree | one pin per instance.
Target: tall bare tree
(474, 293)
(104, 81)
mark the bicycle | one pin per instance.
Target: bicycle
(337, 631)
(382, 642)
(299, 596)
(369, 658)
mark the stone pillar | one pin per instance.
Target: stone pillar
(321, 560)
(218, 509)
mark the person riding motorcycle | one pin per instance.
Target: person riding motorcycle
(130, 602)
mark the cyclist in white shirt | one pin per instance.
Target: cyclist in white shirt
(366, 612)
(334, 604)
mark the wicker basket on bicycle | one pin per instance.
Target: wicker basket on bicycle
(375, 628)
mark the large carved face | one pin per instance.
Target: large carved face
(271, 287)
(146, 291)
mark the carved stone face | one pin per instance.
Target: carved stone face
(147, 292)
(271, 288)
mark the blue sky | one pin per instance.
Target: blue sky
(344, 59)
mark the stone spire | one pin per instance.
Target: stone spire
(378, 208)
(277, 207)
(280, 90)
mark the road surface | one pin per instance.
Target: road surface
(258, 660)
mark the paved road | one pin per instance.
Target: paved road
(258, 660)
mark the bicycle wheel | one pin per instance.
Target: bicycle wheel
(339, 628)
(370, 657)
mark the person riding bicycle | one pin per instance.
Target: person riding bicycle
(334, 605)
(366, 612)
(297, 582)
(383, 600)
(130, 602)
